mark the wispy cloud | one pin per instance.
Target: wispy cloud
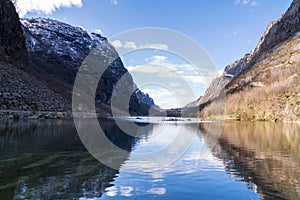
(246, 2)
(130, 45)
(44, 6)
(133, 45)
(162, 67)
(155, 46)
(164, 98)
(117, 44)
(182, 78)
(99, 31)
(195, 79)
(115, 2)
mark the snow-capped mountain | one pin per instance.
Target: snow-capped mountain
(57, 50)
(66, 41)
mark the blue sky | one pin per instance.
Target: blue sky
(226, 29)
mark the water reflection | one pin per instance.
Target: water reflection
(266, 155)
(46, 160)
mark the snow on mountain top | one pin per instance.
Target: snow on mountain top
(64, 39)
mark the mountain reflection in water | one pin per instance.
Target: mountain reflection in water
(47, 160)
(266, 154)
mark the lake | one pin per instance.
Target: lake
(165, 160)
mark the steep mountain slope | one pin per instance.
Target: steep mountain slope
(216, 88)
(57, 50)
(264, 84)
(20, 91)
(12, 48)
(39, 61)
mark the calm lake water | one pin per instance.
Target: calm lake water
(47, 160)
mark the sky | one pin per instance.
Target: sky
(225, 29)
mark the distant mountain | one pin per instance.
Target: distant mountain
(264, 84)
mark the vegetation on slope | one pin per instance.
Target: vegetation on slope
(269, 91)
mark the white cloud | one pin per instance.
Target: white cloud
(133, 45)
(44, 6)
(195, 79)
(158, 59)
(159, 66)
(149, 69)
(115, 2)
(245, 2)
(182, 78)
(155, 46)
(169, 98)
(99, 31)
(117, 44)
(174, 84)
(130, 45)
(164, 98)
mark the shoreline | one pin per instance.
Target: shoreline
(42, 115)
(33, 115)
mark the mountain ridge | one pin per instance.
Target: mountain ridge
(280, 38)
(61, 48)
(46, 54)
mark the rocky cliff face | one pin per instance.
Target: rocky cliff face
(264, 84)
(279, 31)
(20, 91)
(39, 61)
(217, 86)
(12, 42)
(57, 50)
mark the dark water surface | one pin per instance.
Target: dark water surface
(47, 160)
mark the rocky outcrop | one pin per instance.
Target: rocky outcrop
(50, 53)
(57, 50)
(12, 42)
(263, 85)
(279, 31)
(141, 102)
(21, 95)
(217, 86)
(21, 92)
